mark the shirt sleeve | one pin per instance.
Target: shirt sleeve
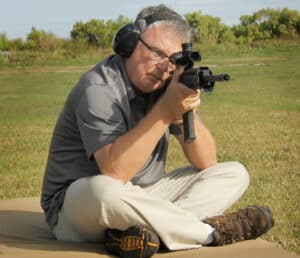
(100, 118)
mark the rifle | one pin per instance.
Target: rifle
(194, 78)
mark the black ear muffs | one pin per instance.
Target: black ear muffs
(126, 39)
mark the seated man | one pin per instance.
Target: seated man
(105, 177)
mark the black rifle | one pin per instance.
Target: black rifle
(194, 78)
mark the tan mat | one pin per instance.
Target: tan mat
(23, 233)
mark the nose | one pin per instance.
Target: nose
(163, 65)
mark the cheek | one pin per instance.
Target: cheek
(141, 62)
(141, 70)
(138, 68)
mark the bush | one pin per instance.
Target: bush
(269, 24)
(43, 41)
(4, 42)
(17, 44)
(75, 48)
(26, 57)
(226, 35)
(206, 29)
(93, 38)
(97, 32)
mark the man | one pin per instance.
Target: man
(105, 179)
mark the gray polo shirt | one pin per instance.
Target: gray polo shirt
(101, 107)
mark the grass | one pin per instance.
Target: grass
(254, 118)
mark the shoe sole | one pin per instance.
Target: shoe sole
(268, 215)
(136, 242)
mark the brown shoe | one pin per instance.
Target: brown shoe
(248, 223)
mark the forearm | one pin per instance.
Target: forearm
(201, 153)
(125, 157)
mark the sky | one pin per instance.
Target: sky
(17, 17)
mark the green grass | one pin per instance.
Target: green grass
(254, 118)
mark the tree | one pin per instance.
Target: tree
(226, 35)
(269, 24)
(4, 42)
(97, 32)
(206, 29)
(42, 40)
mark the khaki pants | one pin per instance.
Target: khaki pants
(173, 207)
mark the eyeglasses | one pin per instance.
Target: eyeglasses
(157, 55)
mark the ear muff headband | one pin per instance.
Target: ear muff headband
(126, 39)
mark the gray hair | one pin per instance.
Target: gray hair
(161, 15)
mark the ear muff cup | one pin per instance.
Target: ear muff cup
(126, 39)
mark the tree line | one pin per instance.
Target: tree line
(265, 24)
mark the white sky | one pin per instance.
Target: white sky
(17, 17)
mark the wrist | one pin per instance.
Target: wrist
(164, 111)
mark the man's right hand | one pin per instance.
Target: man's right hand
(179, 99)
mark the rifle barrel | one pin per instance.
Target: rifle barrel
(217, 77)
